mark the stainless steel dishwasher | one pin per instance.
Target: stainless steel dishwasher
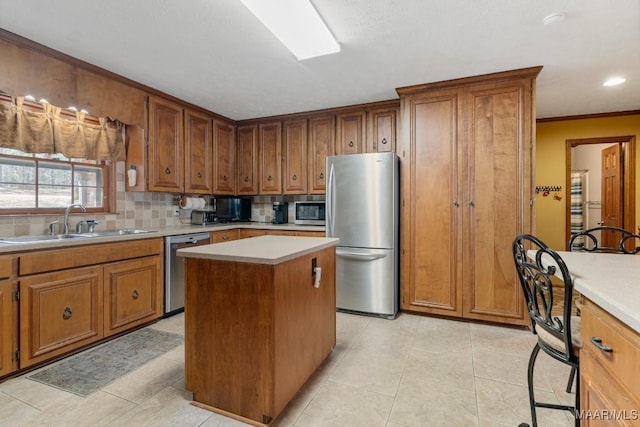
(174, 269)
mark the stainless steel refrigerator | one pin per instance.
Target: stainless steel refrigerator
(362, 207)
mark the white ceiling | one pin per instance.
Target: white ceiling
(215, 54)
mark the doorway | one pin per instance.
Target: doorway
(627, 149)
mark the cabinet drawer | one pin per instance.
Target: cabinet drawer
(623, 363)
(59, 312)
(224, 235)
(7, 266)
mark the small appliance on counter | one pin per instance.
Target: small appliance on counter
(309, 213)
(200, 217)
(280, 213)
(231, 209)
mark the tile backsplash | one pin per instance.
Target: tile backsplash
(148, 210)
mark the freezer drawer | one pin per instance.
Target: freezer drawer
(366, 281)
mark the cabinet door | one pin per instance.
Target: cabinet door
(59, 312)
(381, 136)
(351, 133)
(247, 172)
(224, 155)
(9, 330)
(321, 145)
(197, 153)
(295, 157)
(431, 238)
(166, 146)
(246, 233)
(497, 192)
(133, 293)
(270, 140)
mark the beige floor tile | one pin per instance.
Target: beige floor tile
(451, 327)
(97, 409)
(146, 381)
(452, 371)
(340, 405)
(368, 369)
(424, 406)
(173, 324)
(503, 340)
(508, 404)
(177, 354)
(508, 368)
(35, 394)
(169, 407)
(442, 341)
(14, 412)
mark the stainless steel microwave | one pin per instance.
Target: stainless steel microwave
(309, 213)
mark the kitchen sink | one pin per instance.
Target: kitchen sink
(47, 238)
(50, 238)
(125, 231)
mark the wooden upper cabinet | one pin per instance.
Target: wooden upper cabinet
(381, 136)
(321, 144)
(270, 143)
(247, 164)
(224, 158)
(351, 133)
(295, 157)
(197, 153)
(166, 146)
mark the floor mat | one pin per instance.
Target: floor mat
(90, 370)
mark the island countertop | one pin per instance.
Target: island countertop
(260, 250)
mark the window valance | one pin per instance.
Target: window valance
(33, 127)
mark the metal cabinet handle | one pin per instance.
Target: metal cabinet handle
(471, 203)
(67, 313)
(199, 175)
(167, 171)
(598, 343)
(269, 178)
(384, 140)
(350, 143)
(135, 294)
(246, 179)
(225, 238)
(224, 177)
(321, 175)
(455, 203)
(294, 177)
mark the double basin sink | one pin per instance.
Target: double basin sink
(49, 238)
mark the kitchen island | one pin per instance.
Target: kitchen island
(259, 320)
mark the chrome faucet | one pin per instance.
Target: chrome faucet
(66, 215)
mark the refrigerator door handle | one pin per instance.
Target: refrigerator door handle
(331, 184)
(359, 257)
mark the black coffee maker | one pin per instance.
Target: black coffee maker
(280, 213)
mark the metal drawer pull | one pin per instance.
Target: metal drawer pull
(350, 143)
(199, 174)
(135, 294)
(67, 313)
(321, 175)
(167, 171)
(294, 177)
(246, 178)
(384, 140)
(598, 343)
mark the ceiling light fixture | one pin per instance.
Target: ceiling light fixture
(297, 24)
(553, 18)
(614, 81)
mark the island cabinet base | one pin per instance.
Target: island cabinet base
(254, 333)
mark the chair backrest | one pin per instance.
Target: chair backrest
(535, 272)
(627, 242)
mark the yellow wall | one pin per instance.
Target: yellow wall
(551, 165)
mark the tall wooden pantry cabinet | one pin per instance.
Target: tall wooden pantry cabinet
(466, 165)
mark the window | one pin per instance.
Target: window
(48, 183)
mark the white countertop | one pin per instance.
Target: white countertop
(612, 281)
(260, 250)
(156, 232)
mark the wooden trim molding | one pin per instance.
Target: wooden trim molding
(589, 116)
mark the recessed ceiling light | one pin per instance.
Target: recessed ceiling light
(553, 18)
(614, 81)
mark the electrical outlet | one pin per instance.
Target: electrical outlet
(176, 212)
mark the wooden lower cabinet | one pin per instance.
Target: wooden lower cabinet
(609, 390)
(310, 233)
(224, 235)
(245, 233)
(132, 293)
(253, 232)
(8, 326)
(59, 312)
